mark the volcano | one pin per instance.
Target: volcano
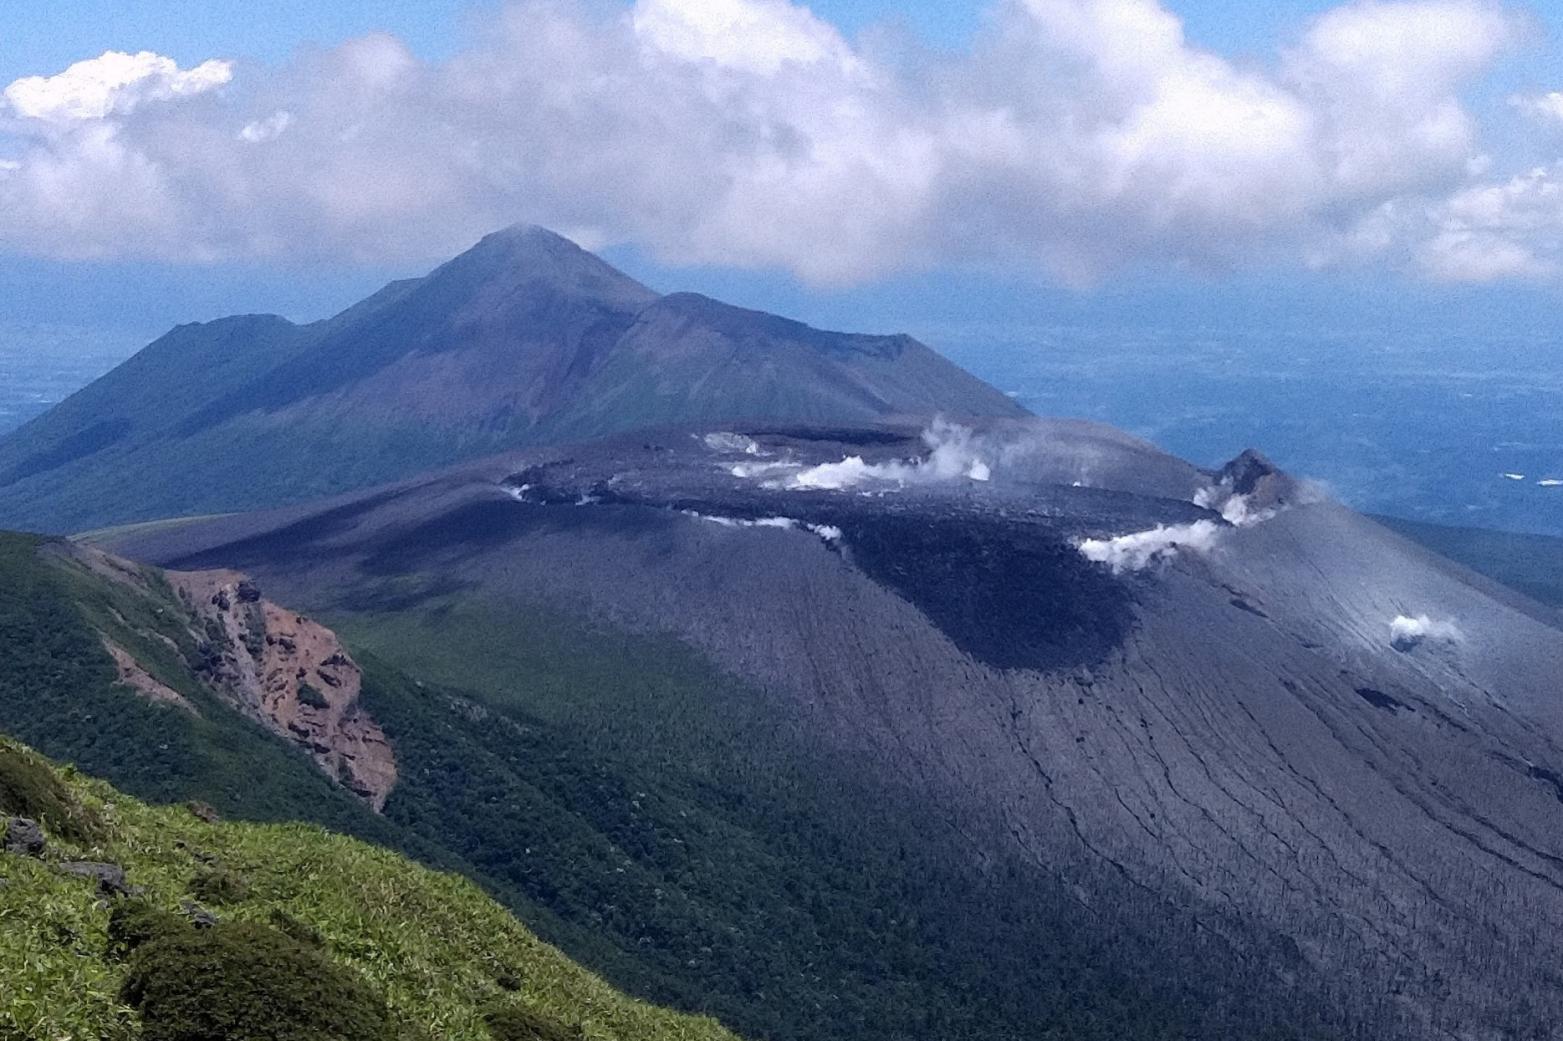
(1213, 736)
(524, 339)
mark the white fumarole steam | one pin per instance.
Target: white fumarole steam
(954, 452)
(1407, 633)
(1139, 550)
(826, 532)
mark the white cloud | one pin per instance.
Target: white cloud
(1512, 229)
(113, 84)
(1383, 80)
(757, 36)
(1548, 107)
(266, 129)
(1074, 136)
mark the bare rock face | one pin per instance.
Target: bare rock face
(134, 675)
(1254, 477)
(292, 675)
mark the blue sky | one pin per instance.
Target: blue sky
(1184, 268)
(45, 35)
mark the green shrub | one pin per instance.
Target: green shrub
(218, 885)
(248, 982)
(519, 1023)
(135, 922)
(29, 788)
(294, 929)
(311, 697)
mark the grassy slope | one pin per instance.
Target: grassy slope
(433, 945)
(1532, 564)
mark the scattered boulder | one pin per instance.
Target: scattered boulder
(23, 837)
(248, 592)
(197, 915)
(202, 811)
(110, 877)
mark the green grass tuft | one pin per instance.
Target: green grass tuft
(518, 1023)
(29, 788)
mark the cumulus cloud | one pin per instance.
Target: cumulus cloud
(114, 84)
(1074, 136)
(1406, 632)
(1512, 229)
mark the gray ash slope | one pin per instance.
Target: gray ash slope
(524, 339)
(1155, 686)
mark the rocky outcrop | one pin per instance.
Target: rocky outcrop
(290, 674)
(23, 837)
(109, 877)
(1257, 479)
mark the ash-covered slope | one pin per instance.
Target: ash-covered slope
(524, 339)
(1137, 701)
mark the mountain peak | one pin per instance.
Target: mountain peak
(529, 254)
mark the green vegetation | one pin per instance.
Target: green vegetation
(309, 695)
(218, 885)
(519, 1023)
(58, 692)
(243, 981)
(28, 788)
(334, 939)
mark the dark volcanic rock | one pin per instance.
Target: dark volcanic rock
(197, 915)
(203, 811)
(23, 837)
(1245, 473)
(1011, 598)
(110, 877)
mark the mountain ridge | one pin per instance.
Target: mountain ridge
(523, 339)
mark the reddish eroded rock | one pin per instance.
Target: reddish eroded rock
(292, 675)
(135, 676)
